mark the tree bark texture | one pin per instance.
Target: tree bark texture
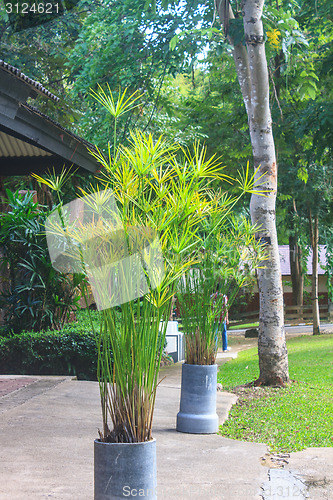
(295, 259)
(296, 272)
(314, 237)
(251, 67)
(297, 279)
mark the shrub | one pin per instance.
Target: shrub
(36, 297)
(71, 351)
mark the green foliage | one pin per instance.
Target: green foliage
(34, 296)
(40, 53)
(236, 31)
(203, 106)
(227, 260)
(197, 310)
(70, 351)
(303, 132)
(242, 299)
(123, 44)
(66, 352)
(127, 44)
(286, 419)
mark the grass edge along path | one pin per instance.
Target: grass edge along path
(243, 326)
(286, 419)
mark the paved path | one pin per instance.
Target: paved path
(12, 383)
(291, 330)
(47, 429)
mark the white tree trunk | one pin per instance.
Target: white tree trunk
(297, 279)
(314, 237)
(252, 73)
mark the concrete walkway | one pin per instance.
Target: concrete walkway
(292, 330)
(47, 429)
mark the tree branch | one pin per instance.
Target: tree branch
(275, 94)
(240, 57)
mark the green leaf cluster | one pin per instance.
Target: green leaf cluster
(34, 296)
(225, 264)
(66, 352)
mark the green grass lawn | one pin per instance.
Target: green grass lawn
(286, 419)
(245, 325)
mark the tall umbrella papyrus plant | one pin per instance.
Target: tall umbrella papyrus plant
(226, 262)
(134, 236)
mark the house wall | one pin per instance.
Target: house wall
(287, 288)
(322, 284)
(253, 305)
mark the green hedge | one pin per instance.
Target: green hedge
(71, 351)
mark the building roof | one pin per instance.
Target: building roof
(11, 147)
(30, 141)
(285, 260)
(36, 86)
(36, 111)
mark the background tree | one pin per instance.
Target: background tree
(252, 71)
(302, 111)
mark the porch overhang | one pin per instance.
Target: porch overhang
(29, 140)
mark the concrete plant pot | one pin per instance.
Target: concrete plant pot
(197, 413)
(124, 470)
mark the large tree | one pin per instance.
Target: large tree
(252, 71)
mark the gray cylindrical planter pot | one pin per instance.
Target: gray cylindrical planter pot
(197, 413)
(124, 470)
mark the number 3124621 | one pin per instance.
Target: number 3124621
(34, 8)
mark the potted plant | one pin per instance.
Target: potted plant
(226, 261)
(133, 235)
